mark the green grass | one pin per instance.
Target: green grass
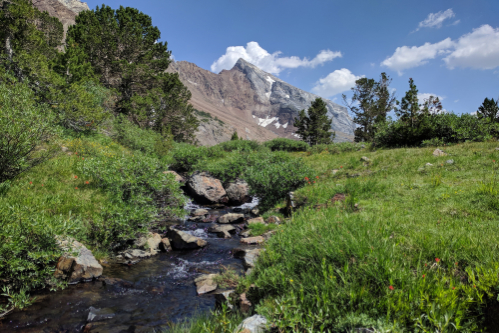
(258, 229)
(420, 252)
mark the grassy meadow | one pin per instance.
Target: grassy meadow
(412, 248)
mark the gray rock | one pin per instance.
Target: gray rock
(362, 146)
(78, 263)
(200, 212)
(274, 220)
(429, 164)
(246, 233)
(178, 177)
(64, 149)
(165, 245)
(335, 171)
(181, 240)
(225, 297)
(238, 192)
(256, 220)
(206, 189)
(365, 159)
(449, 161)
(255, 211)
(150, 242)
(497, 149)
(438, 152)
(231, 218)
(253, 324)
(205, 283)
(253, 240)
(249, 256)
(96, 314)
(136, 253)
(222, 230)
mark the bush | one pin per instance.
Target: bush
(185, 156)
(24, 125)
(229, 168)
(145, 140)
(334, 148)
(241, 145)
(272, 176)
(133, 183)
(284, 144)
(445, 128)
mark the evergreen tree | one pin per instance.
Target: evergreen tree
(409, 106)
(370, 103)
(314, 126)
(489, 109)
(234, 136)
(122, 47)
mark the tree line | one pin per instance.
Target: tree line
(110, 63)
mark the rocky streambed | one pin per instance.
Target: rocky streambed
(144, 293)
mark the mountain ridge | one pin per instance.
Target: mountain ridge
(259, 105)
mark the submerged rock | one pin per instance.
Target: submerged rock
(206, 189)
(181, 240)
(78, 263)
(205, 283)
(253, 324)
(238, 192)
(231, 218)
(99, 314)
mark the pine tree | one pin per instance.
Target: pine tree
(489, 109)
(370, 103)
(234, 136)
(314, 127)
(124, 50)
(409, 106)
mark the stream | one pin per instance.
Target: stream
(144, 297)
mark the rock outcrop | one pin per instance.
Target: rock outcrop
(206, 189)
(78, 263)
(238, 192)
(258, 105)
(181, 240)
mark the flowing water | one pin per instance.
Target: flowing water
(140, 298)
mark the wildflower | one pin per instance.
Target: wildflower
(30, 183)
(474, 286)
(453, 288)
(455, 263)
(82, 158)
(291, 281)
(424, 276)
(76, 177)
(391, 288)
(87, 182)
(437, 259)
(314, 181)
(309, 182)
(317, 177)
(76, 188)
(306, 178)
(425, 265)
(341, 167)
(42, 184)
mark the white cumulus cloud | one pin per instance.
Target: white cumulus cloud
(435, 20)
(424, 96)
(271, 63)
(335, 83)
(408, 57)
(478, 49)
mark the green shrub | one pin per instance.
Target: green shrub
(185, 156)
(229, 168)
(334, 148)
(241, 145)
(273, 175)
(24, 124)
(145, 140)
(132, 182)
(284, 144)
(446, 127)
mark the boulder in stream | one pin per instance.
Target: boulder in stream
(238, 192)
(165, 245)
(222, 230)
(181, 240)
(206, 189)
(249, 256)
(205, 283)
(78, 263)
(231, 218)
(150, 242)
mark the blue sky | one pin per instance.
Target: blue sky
(449, 48)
